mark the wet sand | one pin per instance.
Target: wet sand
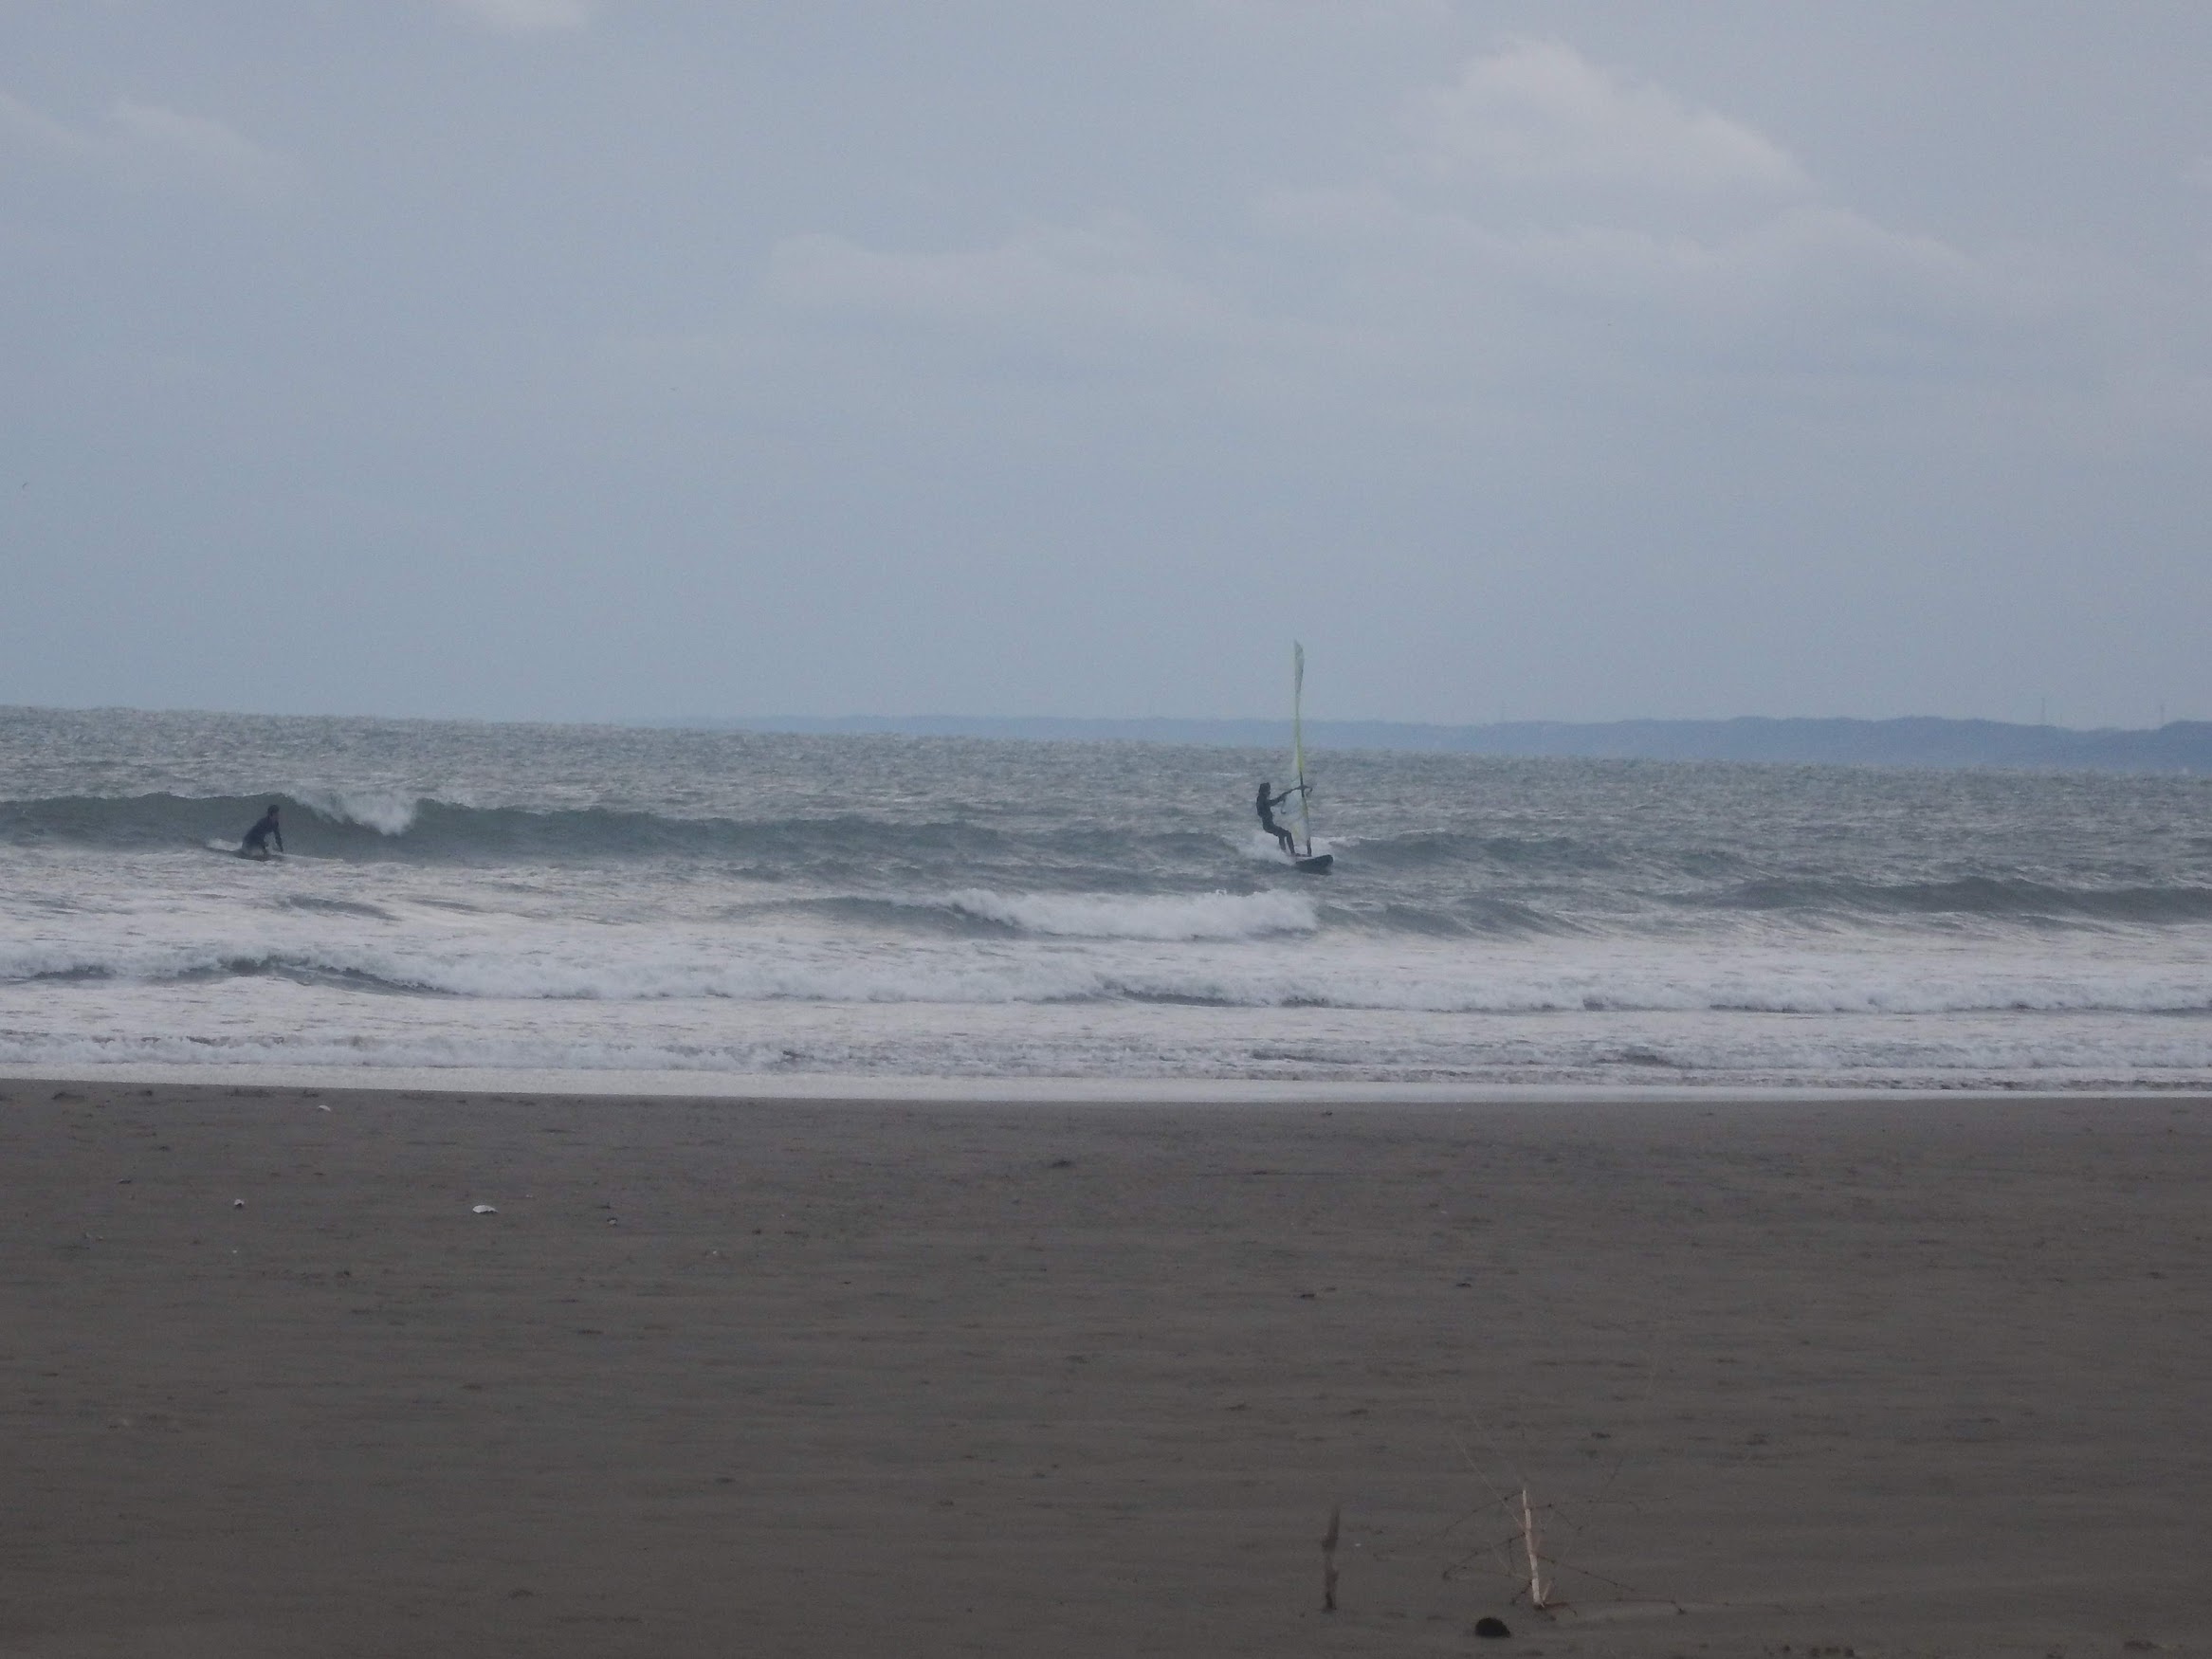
(1911, 1376)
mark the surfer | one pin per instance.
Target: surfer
(256, 844)
(1266, 807)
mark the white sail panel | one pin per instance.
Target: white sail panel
(1298, 738)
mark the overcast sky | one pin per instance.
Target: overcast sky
(594, 358)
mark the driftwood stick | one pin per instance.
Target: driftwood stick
(1536, 1595)
(1328, 1560)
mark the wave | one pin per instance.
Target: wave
(1036, 878)
(347, 821)
(1200, 915)
(367, 825)
(981, 913)
(1167, 917)
(1425, 849)
(357, 824)
(704, 965)
(1972, 895)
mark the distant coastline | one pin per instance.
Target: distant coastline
(2180, 746)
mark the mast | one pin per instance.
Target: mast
(1298, 739)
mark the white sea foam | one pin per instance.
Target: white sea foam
(1264, 951)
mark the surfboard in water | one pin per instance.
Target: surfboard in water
(1309, 862)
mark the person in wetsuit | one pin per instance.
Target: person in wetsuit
(265, 829)
(1266, 807)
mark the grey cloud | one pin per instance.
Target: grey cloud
(30, 133)
(1406, 277)
(1112, 275)
(526, 16)
(630, 359)
(1538, 112)
(147, 146)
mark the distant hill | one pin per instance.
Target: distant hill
(2179, 746)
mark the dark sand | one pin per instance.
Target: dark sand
(1905, 1376)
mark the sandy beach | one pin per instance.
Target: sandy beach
(1910, 1376)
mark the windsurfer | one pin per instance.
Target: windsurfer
(1266, 806)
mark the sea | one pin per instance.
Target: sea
(840, 910)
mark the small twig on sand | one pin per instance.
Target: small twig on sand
(1328, 1560)
(1538, 1597)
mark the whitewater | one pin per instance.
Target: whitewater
(593, 898)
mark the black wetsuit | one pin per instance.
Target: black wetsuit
(257, 838)
(1266, 806)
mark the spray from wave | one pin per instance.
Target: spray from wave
(387, 813)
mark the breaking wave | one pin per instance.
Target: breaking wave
(1034, 880)
(372, 827)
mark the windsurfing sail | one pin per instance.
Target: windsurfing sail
(1298, 740)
